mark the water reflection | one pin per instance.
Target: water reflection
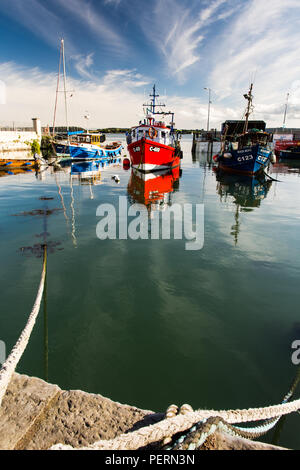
(154, 190)
(245, 192)
(18, 171)
(89, 172)
(283, 167)
(203, 155)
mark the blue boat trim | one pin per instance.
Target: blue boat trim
(249, 160)
(84, 152)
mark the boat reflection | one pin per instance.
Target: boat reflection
(245, 192)
(203, 156)
(17, 171)
(154, 190)
(283, 167)
(89, 172)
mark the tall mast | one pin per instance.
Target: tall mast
(248, 97)
(65, 81)
(285, 110)
(209, 103)
(57, 90)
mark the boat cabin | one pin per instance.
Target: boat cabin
(89, 138)
(250, 138)
(156, 131)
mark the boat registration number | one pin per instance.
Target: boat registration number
(154, 149)
(244, 158)
(136, 149)
(262, 159)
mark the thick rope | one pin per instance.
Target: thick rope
(11, 362)
(169, 427)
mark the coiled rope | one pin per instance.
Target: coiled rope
(11, 362)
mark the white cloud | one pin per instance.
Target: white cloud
(262, 39)
(114, 100)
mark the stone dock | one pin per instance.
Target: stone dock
(36, 415)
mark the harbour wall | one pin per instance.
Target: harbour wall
(18, 141)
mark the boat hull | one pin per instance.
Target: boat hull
(288, 155)
(246, 161)
(79, 152)
(148, 156)
(62, 150)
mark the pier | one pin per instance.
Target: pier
(36, 415)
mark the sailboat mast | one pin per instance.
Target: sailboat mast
(65, 81)
(285, 110)
(57, 90)
(248, 97)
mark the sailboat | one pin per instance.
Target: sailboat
(246, 153)
(80, 144)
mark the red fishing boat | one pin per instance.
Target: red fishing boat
(153, 145)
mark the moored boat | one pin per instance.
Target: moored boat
(152, 144)
(246, 153)
(291, 153)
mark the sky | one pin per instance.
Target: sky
(117, 49)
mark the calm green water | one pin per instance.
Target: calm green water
(146, 322)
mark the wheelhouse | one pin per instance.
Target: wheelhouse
(156, 131)
(90, 138)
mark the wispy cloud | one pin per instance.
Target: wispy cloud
(177, 31)
(262, 38)
(38, 18)
(112, 2)
(96, 23)
(83, 64)
(125, 78)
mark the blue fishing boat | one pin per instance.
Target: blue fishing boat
(245, 153)
(88, 146)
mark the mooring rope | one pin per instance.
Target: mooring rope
(180, 423)
(11, 362)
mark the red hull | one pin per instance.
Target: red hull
(284, 145)
(147, 155)
(153, 189)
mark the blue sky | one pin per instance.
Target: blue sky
(117, 49)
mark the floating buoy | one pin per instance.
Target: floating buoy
(126, 163)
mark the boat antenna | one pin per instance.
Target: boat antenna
(153, 105)
(285, 110)
(249, 110)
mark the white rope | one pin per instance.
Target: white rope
(180, 423)
(11, 362)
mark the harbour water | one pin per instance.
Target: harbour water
(146, 322)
